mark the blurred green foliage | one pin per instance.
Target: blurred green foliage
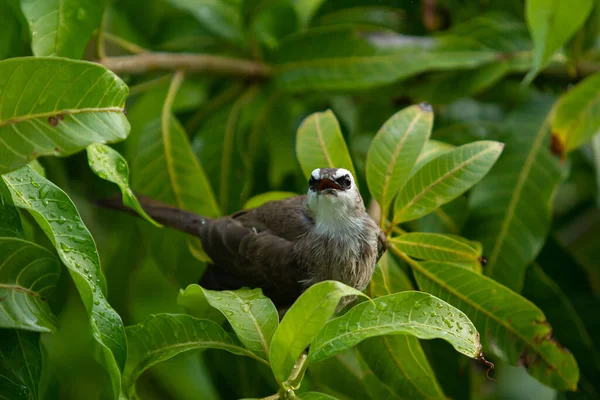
(214, 106)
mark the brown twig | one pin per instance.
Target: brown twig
(192, 63)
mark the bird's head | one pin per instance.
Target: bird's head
(332, 193)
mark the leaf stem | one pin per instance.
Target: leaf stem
(197, 63)
(124, 44)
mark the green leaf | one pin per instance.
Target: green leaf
(28, 275)
(511, 207)
(263, 198)
(163, 336)
(341, 375)
(110, 165)
(394, 151)
(431, 150)
(10, 221)
(58, 217)
(361, 58)
(20, 364)
(302, 322)
(398, 361)
(436, 247)
(62, 28)
(320, 144)
(222, 17)
(596, 153)
(551, 24)
(577, 115)
(449, 218)
(195, 303)
(54, 106)
(507, 322)
(165, 168)
(10, 35)
(405, 313)
(252, 315)
(445, 178)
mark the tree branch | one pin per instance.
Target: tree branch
(218, 65)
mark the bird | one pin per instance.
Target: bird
(285, 246)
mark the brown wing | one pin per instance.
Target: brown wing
(256, 248)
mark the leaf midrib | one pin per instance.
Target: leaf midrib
(72, 111)
(468, 301)
(469, 256)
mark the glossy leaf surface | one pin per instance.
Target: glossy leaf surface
(445, 178)
(394, 151)
(110, 165)
(42, 111)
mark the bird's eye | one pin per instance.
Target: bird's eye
(344, 182)
(312, 181)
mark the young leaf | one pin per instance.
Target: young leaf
(302, 322)
(163, 336)
(394, 151)
(507, 321)
(510, 208)
(28, 275)
(51, 106)
(195, 303)
(110, 165)
(320, 144)
(577, 115)
(436, 247)
(252, 316)
(58, 217)
(20, 364)
(445, 178)
(62, 29)
(263, 198)
(414, 313)
(398, 361)
(551, 24)
(360, 58)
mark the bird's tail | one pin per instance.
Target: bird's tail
(175, 218)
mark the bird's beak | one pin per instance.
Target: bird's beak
(326, 183)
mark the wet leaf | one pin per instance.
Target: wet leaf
(43, 113)
(28, 276)
(406, 313)
(302, 322)
(252, 315)
(58, 217)
(110, 165)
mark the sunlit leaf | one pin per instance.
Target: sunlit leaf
(509, 324)
(163, 336)
(42, 111)
(302, 322)
(445, 178)
(394, 151)
(252, 316)
(551, 24)
(196, 304)
(62, 28)
(360, 58)
(222, 17)
(436, 247)
(60, 220)
(28, 275)
(110, 165)
(577, 115)
(320, 144)
(263, 198)
(431, 150)
(398, 361)
(20, 364)
(510, 208)
(406, 313)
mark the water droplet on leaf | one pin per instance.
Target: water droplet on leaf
(65, 248)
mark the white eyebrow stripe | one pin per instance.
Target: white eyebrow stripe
(341, 172)
(315, 174)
